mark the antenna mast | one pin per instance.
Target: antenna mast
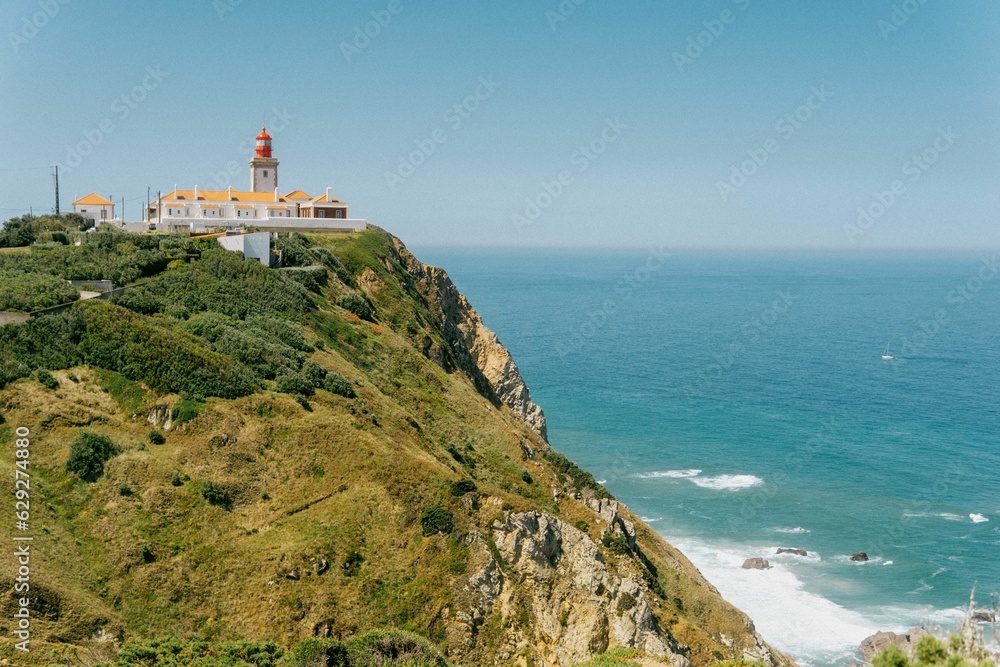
(55, 177)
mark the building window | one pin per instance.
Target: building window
(340, 214)
(265, 173)
(104, 214)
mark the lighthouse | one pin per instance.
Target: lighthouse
(263, 167)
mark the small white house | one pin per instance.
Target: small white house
(95, 207)
(253, 246)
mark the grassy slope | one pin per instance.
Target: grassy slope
(352, 475)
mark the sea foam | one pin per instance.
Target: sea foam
(978, 518)
(670, 474)
(728, 482)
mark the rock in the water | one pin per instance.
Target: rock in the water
(794, 552)
(756, 564)
(984, 617)
(860, 557)
(880, 641)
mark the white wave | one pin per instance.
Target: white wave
(647, 519)
(728, 482)
(978, 518)
(888, 562)
(809, 627)
(671, 474)
(798, 530)
(941, 515)
(602, 481)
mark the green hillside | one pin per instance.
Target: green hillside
(229, 454)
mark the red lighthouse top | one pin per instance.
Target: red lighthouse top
(263, 143)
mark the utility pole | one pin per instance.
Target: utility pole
(55, 176)
(123, 211)
(147, 205)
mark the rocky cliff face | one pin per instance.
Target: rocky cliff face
(475, 348)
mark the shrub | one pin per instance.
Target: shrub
(335, 383)
(435, 519)
(352, 563)
(72, 377)
(47, 380)
(625, 602)
(358, 305)
(88, 453)
(294, 383)
(582, 526)
(174, 652)
(315, 373)
(304, 402)
(891, 657)
(125, 490)
(176, 480)
(320, 652)
(930, 651)
(393, 647)
(163, 358)
(581, 479)
(216, 495)
(526, 477)
(616, 543)
(462, 487)
(26, 292)
(155, 437)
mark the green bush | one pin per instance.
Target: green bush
(581, 479)
(335, 383)
(358, 305)
(174, 652)
(320, 652)
(163, 358)
(582, 526)
(47, 380)
(216, 495)
(176, 480)
(526, 477)
(88, 453)
(616, 543)
(51, 342)
(295, 384)
(393, 647)
(891, 657)
(435, 519)
(221, 282)
(26, 292)
(462, 487)
(315, 374)
(155, 437)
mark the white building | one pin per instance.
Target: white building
(95, 207)
(263, 206)
(253, 246)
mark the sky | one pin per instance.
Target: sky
(850, 125)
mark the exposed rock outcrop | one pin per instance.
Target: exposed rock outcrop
(756, 564)
(880, 641)
(555, 575)
(476, 349)
(860, 557)
(794, 552)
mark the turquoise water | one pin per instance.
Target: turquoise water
(741, 403)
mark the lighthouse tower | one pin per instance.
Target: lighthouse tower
(263, 167)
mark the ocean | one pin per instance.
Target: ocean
(740, 403)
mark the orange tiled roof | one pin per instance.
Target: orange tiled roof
(94, 199)
(298, 195)
(223, 196)
(322, 200)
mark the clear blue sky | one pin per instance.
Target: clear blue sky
(676, 131)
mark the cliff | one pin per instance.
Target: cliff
(382, 465)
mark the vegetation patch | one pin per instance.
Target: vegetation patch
(129, 395)
(88, 453)
(27, 292)
(435, 519)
